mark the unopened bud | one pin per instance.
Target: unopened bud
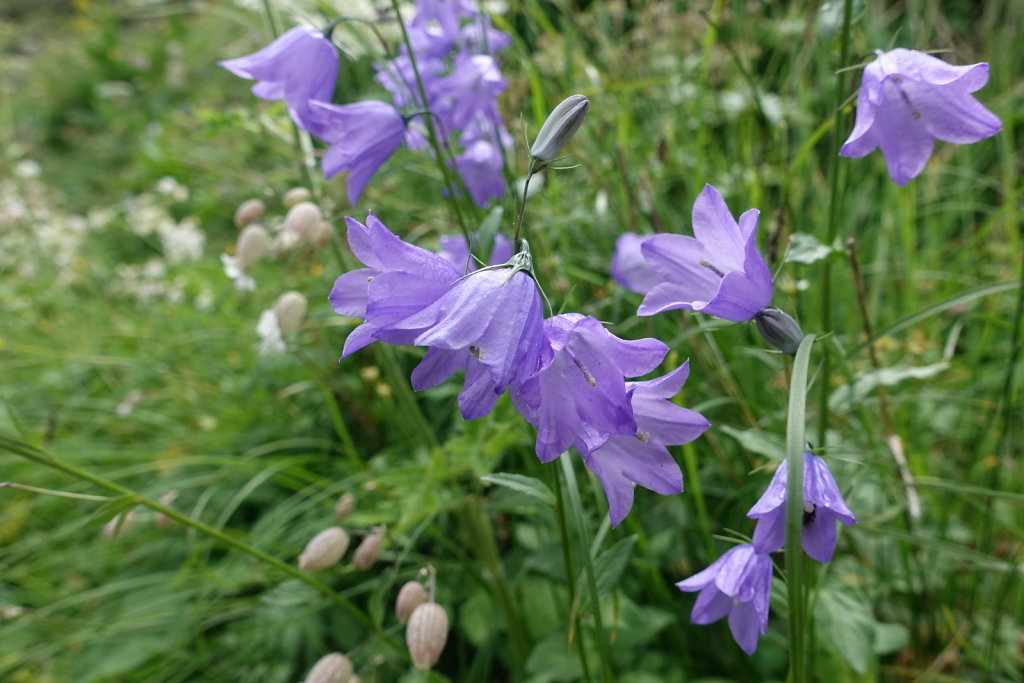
(120, 525)
(345, 505)
(294, 196)
(332, 668)
(160, 520)
(367, 552)
(249, 211)
(302, 219)
(290, 310)
(560, 126)
(252, 245)
(324, 550)
(284, 242)
(426, 634)
(321, 234)
(411, 596)
(779, 330)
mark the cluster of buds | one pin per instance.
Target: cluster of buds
(328, 547)
(426, 630)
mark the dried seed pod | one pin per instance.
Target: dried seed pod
(252, 245)
(426, 634)
(120, 525)
(367, 552)
(324, 550)
(294, 196)
(160, 520)
(332, 668)
(411, 596)
(290, 310)
(302, 219)
(345, 505)
(249, 211)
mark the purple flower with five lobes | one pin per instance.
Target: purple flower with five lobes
(299, 66)
(908, 99)
(718, 271)
(579, 383)
(361, 137)
(823, 506)
(641, 457)
(738, 584)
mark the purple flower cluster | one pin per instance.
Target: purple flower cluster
(567, 375)
(452, 48)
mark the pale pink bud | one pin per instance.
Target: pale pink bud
(302, 218)
(332, 668)
(284, 242)
(249, 211)
(321, 234)
(426, 634)
(252, 246)
(120, 525)
(294, 196)
(324, 550)
(411, 596)
(367, 552)
(345, 505)
(561, 124)
(290, 310)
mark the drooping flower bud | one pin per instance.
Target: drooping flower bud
(324, 550)
(779, 330)
(249, 211)
(302, 219)
(290, 310)
(294, 196)
(345, 505)
(426, 634)
(368, 550)
(332, 668)
(560, 126)
(252, 246)
(411, 596)
(120, 525)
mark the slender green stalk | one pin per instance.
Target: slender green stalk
(52, 492)
(795, 447)
(44, 458)
(570, 571)
(588, 566)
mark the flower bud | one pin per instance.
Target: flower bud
(426, 634)
(324, 550)
(332, 668)
(345, 505)
(290, 310)
(249, 211)
(411, 596)
(560, 126)
(252, 245)
(284, 242)
(294, 196)
(302, 219)
(321, 234)
(120, 525)
(367, 552)
(779, 330)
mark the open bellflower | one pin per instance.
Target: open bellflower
(641, 458)
(298, 67)
(738, 584)
(909, 99)
(823, 506)
(718, 271)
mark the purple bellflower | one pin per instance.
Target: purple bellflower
(738, 584)
(718, 271)
(629, 268)
(362, 136)
(641, 457)
(580, 384)
(480, 167)
(907, 100)
(823, 506)
(300, 66)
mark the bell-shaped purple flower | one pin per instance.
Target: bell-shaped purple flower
(908, 99)
(718, 271)
(641, 457)
(300, 66)
(629, 268)
(580, 384)
(480, 168)
(473, 87)
(823, 506)
(738, 584)
(362, 136)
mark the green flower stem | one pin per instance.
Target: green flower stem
(795, 447)
(43, 458)
(565, 462)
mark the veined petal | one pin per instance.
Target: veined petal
(717, 231)
(952, 115)
(743, 623)
(710, 606)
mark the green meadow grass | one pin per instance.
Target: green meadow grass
(151, 379)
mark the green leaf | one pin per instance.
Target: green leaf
(845, 622)
(527, 485)
(805, 249)
(890, 638)
(845, 397)
(756, 441)
(610, 564)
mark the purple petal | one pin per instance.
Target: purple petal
(629, 268)
(710, 606)
(437, 366)
(951, 114)
(743, 623)
(819, 536)
(717, 231)
(770, 531)
(349, 294)
(820, 489)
